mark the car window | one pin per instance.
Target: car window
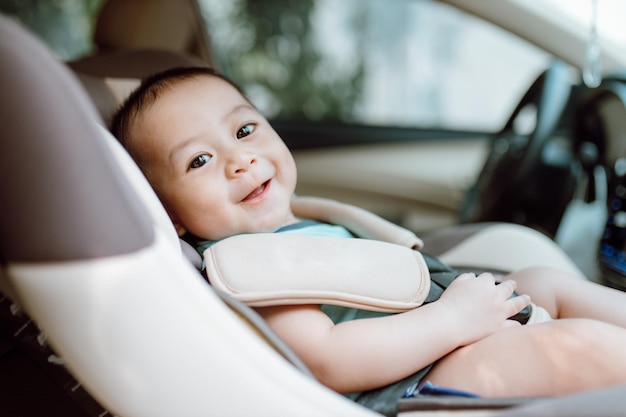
(416, 63)
(65, 26)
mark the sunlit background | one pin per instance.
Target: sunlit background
(376, 62)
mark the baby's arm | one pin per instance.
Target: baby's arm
(370, 353)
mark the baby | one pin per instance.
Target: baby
(221, 170)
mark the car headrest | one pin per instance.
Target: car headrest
(109, 78)
(123, 24)
(86, 258)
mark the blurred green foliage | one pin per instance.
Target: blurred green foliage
(66, 26)
(269, 48)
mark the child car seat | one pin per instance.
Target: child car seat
(103, 275)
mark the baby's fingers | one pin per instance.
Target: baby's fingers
(517, 304)
(465, 276)
(507, 287)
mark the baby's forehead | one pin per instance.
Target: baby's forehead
(180, 99)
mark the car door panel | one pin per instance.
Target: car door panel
(418, 184)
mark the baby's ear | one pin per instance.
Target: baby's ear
(179, 229)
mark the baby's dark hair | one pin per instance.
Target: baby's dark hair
(148, 92)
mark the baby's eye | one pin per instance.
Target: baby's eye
(245, 131)
(199, 161)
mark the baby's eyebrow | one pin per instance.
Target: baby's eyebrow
(175, 151)
(238, 109)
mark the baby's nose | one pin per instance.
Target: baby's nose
(242, 162)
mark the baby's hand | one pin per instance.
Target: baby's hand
(482, 307)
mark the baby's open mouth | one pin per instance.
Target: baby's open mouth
(257, 191)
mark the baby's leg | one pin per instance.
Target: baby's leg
(553, 358)
(565, 296)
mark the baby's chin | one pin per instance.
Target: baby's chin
(259, 225)
(244, 231)
(272, 223)
(270, 227)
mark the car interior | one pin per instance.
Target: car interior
(103, 309)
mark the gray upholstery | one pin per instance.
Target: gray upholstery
(37, 225)
(609, 402)
(440, 241)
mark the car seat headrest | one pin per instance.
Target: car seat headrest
(109, 78)
(124, 24)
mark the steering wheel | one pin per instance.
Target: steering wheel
(516, 150)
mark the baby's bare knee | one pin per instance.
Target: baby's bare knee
(564, 341)
(543, 285)
(585, 337)
(541, 276)
(536, 360)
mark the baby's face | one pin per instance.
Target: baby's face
(216, 163)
